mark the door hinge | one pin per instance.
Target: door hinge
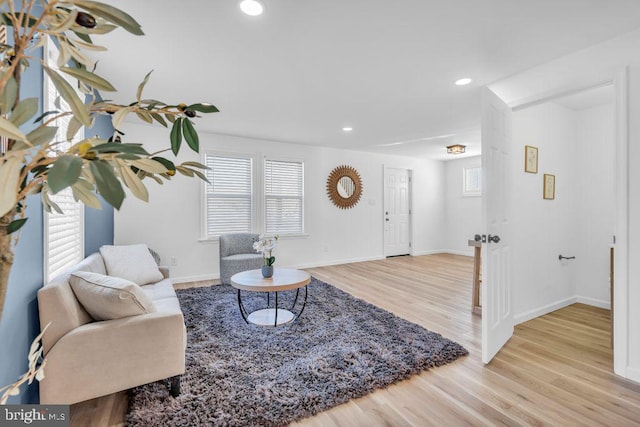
(409, 244)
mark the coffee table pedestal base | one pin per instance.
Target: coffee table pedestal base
(267, 317)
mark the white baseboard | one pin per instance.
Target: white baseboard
(541, 311)
(336, 262)
(594, 302)
(199, 278)
(456, 252)
(212, 276)
(442, 251)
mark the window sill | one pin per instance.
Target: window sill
(216, 239)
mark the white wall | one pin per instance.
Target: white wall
(463, 214)
(171, 221)
(595, 204)
(542, 229)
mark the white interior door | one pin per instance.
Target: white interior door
(497, 312)
(397, 212)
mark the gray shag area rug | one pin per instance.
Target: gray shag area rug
(242, 374)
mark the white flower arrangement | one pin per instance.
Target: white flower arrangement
(266, 245)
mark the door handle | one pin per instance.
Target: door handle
(477, 238)
(494, 239)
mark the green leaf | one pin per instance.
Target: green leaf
(98, 29)
(201, 176)
(144, 116)
(203, 108)
(9, 95)
(107, 183)
(42, 135)
(141, 86)
(44, 115)
(73, 128)
(152, 165)
(191, 135)
(134, 184)
(83, 37)
(10, 179)
(119, 116)
(113, 15)
(16, 225)
(159, 119)
(64, 173)
(69, 94)
(92, 79)
(117, 147)
(170, 117)
(9, 130)
(83, 192)
(176, 136)
(184, 171)
(25, 109)
(168, 164)
(196, 165)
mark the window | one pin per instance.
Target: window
(63, 233)
(472, 181)
(283, 197)
(228, 196)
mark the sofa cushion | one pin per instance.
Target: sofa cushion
(107, 297)
(131, 262)
(160, 290)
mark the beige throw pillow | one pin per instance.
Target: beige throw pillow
(131, 262)
(107, 297)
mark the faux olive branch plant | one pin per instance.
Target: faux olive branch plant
(39, 163)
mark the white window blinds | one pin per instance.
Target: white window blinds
(284, 196)
(64, 233)
(228, 201)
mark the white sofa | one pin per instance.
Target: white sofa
(86, 358)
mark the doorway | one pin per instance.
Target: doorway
(524, 184)
(397, 211)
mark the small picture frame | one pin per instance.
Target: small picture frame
(549, 191)
(530, 159)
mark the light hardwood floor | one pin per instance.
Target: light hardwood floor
(555, 370)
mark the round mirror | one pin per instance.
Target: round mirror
(344, 187)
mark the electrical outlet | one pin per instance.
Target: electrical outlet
(174, 261)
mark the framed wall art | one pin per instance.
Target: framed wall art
(530, 159)
(549, 191)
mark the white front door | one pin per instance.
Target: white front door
(497, 296)
(397, 211)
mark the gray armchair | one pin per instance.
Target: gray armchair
(237, 254)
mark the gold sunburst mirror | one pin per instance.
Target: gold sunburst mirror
(344, 187)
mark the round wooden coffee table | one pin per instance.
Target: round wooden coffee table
(283, 279)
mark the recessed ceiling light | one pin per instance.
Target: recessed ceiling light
(347, 129)
(252, 7)
(462, 82)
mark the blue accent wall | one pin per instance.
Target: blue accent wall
(20, 322)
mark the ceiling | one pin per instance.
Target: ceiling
(304, 69)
